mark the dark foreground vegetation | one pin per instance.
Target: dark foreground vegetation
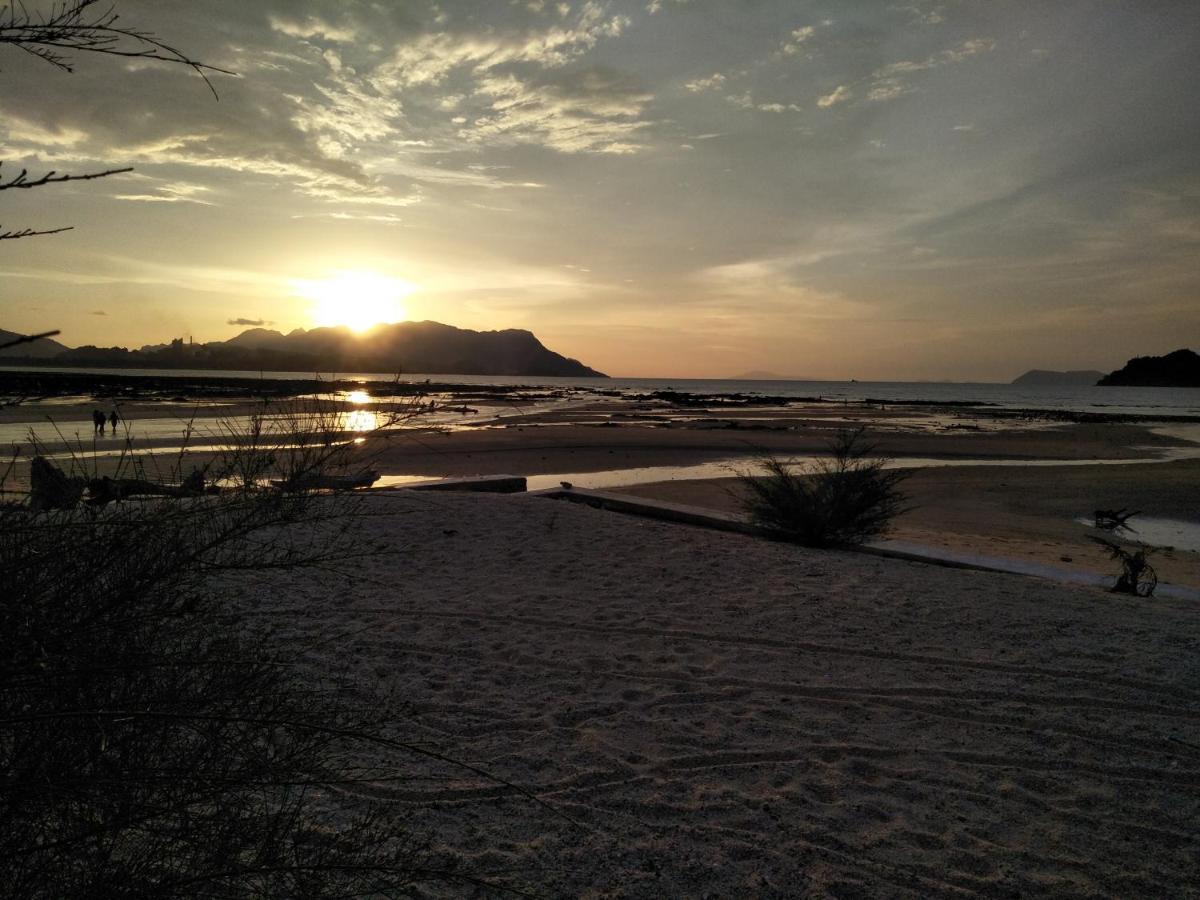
(156, 740)
(147, 747)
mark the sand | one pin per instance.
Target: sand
(726, 716)
(1022, 513)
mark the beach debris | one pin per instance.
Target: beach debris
(194, 483)
(566, 485)
(1114, 519)
(1137, 577)
(111, 490)
(320, 481)
(51, 488)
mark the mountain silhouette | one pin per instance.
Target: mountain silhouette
(404, 347)
(44, 348)
(1075, 377)
(1178, 369)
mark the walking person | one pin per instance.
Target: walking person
(112, 421)
(97, 422)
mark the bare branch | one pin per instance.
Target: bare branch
(28, 339)
(83, 26)
(24, 181)
(30, 232)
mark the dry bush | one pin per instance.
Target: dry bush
(844, 499)
(149, 745)
(1137, 575)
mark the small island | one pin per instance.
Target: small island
(1047, 378)
(1178, 369)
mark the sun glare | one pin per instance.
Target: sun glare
(358, 300)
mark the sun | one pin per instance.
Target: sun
(359, 300)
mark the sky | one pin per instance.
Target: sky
(900, 190)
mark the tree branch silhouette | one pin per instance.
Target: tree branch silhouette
(27, 338)
(88, 26)
(81, 26)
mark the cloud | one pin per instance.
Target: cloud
(934, 15)
(746, 100)
(890, 81)
(313, 27)
(712, 82)
(255, 323)
(839, 95)
(798, 36)
(383, 218)
(173, 192)
(655, 6)
(432, 56)
(29, 132)
(594, 111)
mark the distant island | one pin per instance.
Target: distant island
(761, 375)
(1048, 378)
(1178, 369)
(405, 347)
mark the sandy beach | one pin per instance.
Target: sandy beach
(1029, 514)
(1011, 507)
(614, 449)
(1008, 503)
(719, 715)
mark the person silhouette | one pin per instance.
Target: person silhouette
(97, 422)
(112, 420)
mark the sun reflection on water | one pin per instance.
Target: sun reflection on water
(362, 420)
(358, 397)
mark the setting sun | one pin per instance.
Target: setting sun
(358, 300)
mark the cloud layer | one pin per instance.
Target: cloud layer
(891, 190)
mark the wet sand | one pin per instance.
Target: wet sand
(609, 437)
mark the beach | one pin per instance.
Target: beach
(647, 709)
(987, 480)
(716, 715)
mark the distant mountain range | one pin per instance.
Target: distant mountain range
(764, 375)
(43, 348)
(405, 347)
(1178, 369)
(1045, 377)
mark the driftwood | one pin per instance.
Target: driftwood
(109, 490)
(1114, 519)
(322, 482)
(51, 488)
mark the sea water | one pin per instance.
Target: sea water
(1152, 401)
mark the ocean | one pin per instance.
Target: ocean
(1155, 401)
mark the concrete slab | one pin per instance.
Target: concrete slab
(486, 484)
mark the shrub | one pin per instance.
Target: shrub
(1137, 575)
(153, 741)
(844, 499)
